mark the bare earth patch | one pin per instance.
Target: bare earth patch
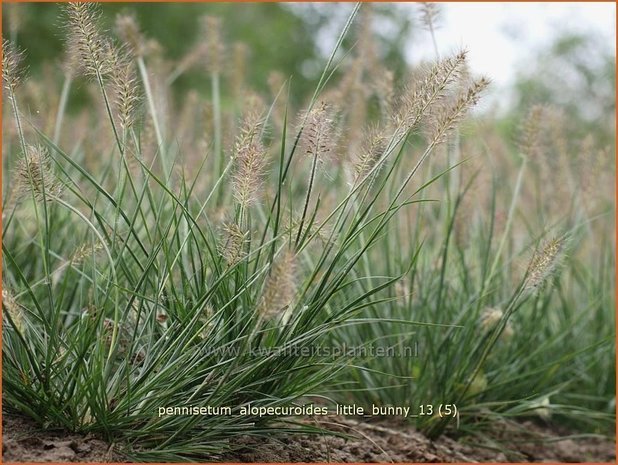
(371, 442)
(385, 442)
(23, 441)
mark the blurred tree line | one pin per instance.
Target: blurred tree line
(577, 72)
(279, 37)
(38, 29)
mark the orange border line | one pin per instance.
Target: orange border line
(299, 1)
(303, 1)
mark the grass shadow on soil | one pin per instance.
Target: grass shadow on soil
(373, 442)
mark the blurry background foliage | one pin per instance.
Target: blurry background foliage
(576, 72)
(278, 37)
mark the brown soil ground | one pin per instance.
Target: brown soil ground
(23, 441)
(371, 442)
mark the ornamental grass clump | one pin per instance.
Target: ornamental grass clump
(133, 295)
(164, 250)
(493, 298)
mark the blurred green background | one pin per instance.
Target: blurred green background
(575, 70)
(176, 26)
(277, 36)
